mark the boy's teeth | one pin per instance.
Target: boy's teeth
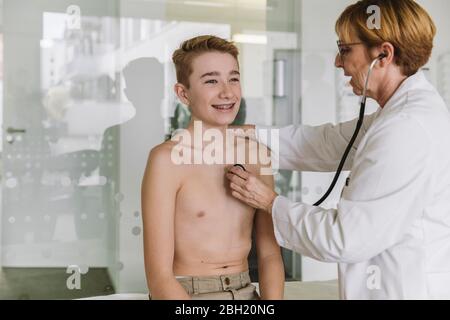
(223, 106)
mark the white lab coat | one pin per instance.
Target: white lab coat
(390, 233)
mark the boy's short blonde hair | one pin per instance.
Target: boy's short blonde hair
(190, 49)
(404, 24)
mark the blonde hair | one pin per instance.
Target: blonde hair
(190, 49)
(404, 24)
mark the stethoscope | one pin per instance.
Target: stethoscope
(355, 134)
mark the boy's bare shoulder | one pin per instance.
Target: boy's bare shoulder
(164, 147)
(161, 154)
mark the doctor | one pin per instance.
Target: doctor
(390, 233)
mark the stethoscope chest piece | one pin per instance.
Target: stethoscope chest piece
(240, 166)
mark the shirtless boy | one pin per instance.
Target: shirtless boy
(197, 237)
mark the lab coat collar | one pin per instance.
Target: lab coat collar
(416, 81)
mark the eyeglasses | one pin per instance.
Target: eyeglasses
(344, 48)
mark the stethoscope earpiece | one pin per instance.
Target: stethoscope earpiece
(382, 56)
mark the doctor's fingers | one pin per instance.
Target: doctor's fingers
(257, 196)
(252, 183)
(239, 172)
(237, 180)
(246, 194)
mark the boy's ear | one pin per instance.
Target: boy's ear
(181, 92)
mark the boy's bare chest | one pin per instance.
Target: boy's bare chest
(205, 189)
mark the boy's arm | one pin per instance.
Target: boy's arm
(158, 194)
(270, 262)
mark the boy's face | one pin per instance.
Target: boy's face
(214, 94)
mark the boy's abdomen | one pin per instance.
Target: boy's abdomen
(212, 231)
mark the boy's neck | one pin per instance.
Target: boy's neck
(197, 129)
(197, 124)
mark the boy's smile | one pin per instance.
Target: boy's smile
(224, 107)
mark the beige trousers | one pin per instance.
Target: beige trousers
(235, 286)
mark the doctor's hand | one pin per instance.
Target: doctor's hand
(250, 189)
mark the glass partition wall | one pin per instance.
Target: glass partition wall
(87, 92)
